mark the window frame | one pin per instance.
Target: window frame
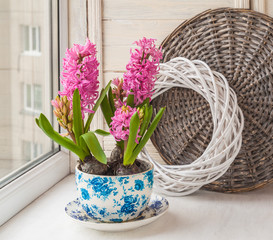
(47, 173)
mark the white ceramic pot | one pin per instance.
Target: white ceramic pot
(114, 198)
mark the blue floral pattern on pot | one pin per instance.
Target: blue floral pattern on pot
(114, 198)
(157, 206)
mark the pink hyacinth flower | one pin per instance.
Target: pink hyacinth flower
(118, 92)
(121, 122)
(56, 104)
(80, 70)
(142, 70)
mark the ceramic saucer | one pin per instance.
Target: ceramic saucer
(157, 206)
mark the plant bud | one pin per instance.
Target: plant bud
(64, 119)
(58, 100)
(70, 117)
(69, 127)
(64, 110)
(68, 105)
(57, 113)
(61, 124)
(140, 114)
(64, 99)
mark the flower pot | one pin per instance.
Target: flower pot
(114, 198)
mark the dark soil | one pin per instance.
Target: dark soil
(114, 166)
(93, 166)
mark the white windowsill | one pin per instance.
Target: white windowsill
(203, 215)
(26, 188)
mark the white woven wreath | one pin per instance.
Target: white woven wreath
(179, 180)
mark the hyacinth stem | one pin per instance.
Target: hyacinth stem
(71, 134)
(91, 115)
(146, 137)
(125, 146)
(133, 130)
(131, 100)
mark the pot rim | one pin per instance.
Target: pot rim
(151, 167)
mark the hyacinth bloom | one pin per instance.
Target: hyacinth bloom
(80, 70)
(121, 122)
(139, 79)
(63, 112)
(118, 92)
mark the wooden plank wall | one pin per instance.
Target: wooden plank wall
(125, 21)
(263, 6)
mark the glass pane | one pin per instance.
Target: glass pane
(26, 150)
(22, 143)
(28, 95)
(37, 97)
(38, 39)
(26, 38)
(34, 32)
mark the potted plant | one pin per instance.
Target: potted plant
(118, 188)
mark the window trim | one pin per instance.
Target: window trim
(23, 190)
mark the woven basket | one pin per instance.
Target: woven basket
(227, 118)
(239, 44)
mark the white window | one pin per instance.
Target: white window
(30, 162)
(31, 150)
(31, 40)
(33, 97)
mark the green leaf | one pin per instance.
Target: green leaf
(148, 112)
(37, 122)
(147, 136)
(55, 136)
(106, 110)
(102, 132)
(83, 146)
(94, 146)
(111, 100)
(134, 125)
(146, 101)
(130, 100)
(95, 108)
(77, 116)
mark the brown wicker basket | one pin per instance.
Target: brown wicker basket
(239, 44)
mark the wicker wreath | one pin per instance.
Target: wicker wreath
(227, 117)
(238, 43)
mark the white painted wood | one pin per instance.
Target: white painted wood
(115, 58)
(158, 9)
(94, 9)
(109, 75)
(258, 5)
(22, 191)
(263, 6)
(242, 3)
(269, 7)
(125, 32)
(77, 22)
(63, 29)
